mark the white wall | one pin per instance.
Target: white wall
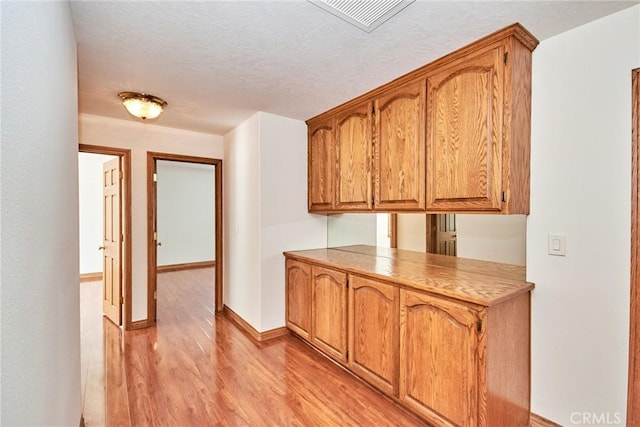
(40, 332)
(265, 190)
(497, 238)
(383, 230)
(242, 220)
(186, 212)
(580, 185)
(285, 223)
(140, 138)
(352, 229)
(412, 232)
(91, 212)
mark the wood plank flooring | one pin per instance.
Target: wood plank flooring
(195, 368)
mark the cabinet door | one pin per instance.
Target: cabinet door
(353, 147)
(321, 166)
(298, 297)
(438, 359)
(465, 134)
(329, 312)
(373, 332)
(400, 148)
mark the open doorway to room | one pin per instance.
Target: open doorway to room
(184, 242)
(494, 238)
(432, 233)
(104, 195)
(105, 235)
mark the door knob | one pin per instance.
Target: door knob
(100, 248)
(159, 243)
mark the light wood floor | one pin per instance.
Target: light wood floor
(195, 368)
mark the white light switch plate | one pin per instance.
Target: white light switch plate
(558, 244)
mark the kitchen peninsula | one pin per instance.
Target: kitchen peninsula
(446, 337)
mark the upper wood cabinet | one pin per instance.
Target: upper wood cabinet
(329, 312)
(478, 131)
(451, 136)
(379, 150)
(464, 128)
(321, 166)
(399, 174)
(353, 150)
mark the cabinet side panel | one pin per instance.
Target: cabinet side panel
(508, 364)
(517, 122)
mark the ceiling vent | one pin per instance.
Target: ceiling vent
(364, 14)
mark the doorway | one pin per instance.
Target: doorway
(154, 240)
(431, 233)
(119, 307)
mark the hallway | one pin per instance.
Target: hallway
(196, 368)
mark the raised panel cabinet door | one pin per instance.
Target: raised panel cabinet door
(439, 359)
(329, 312)
(353, 150)
(298, 298)
(465, 134)
(321, 166)
(400, 148)
(373, 332)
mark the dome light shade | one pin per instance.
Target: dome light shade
(142, 105)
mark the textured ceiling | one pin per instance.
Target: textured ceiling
(218, 62)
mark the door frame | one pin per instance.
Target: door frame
(633, 388)
(393, 230)
(152, 268)
(125, 215)
(431, 229)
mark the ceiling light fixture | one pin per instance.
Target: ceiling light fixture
(142, 105)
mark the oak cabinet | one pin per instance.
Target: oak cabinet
(353, 151)
(379, 150)
(451, 136)
(399, 173)
(439, 359)
(298, 297)
(373, 332)
(448, 341)
(478, 131)
(321, 165)
(464, 114)
(329, 312)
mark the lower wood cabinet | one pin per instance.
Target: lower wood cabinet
(450, 361)
(298, 296)
(373, 332)
(439, 343)
(329, 312)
